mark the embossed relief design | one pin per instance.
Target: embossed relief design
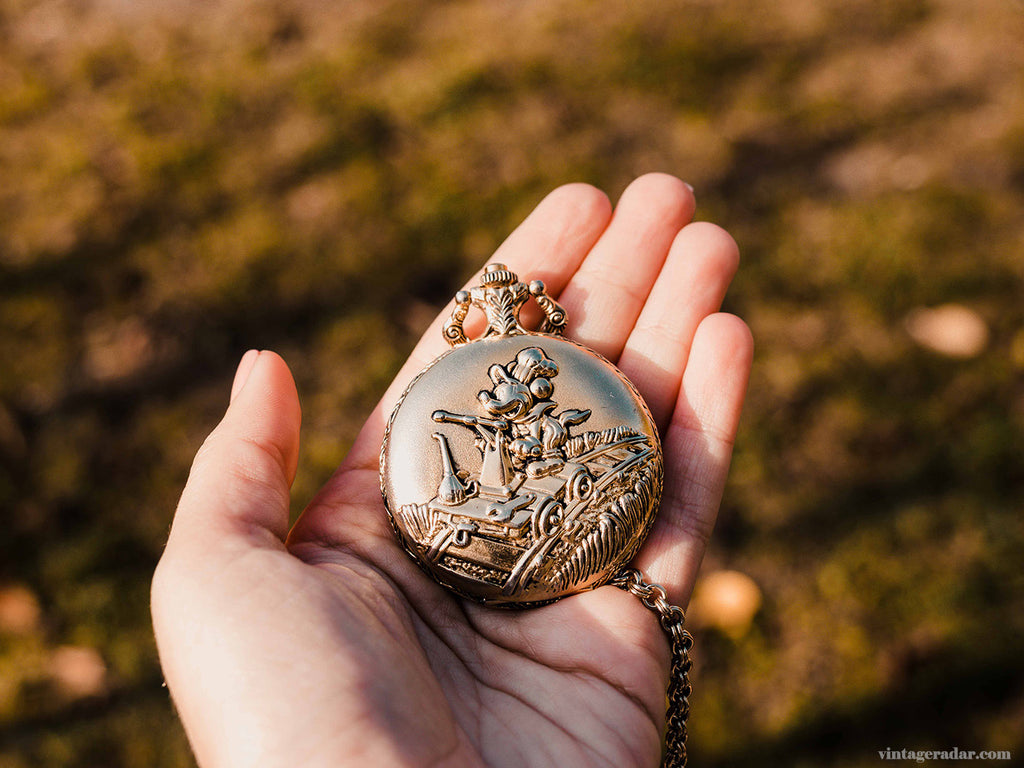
(548, 506)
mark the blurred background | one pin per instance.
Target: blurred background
(181, 181)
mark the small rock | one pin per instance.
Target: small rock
(79, 671)
(950, 329)
(19, 610)
(726, 600)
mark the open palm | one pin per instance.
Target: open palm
(327, 646)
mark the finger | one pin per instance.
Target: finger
(549, 245)
(691, 285)
(239, 485)
(605, 296)
(698, 446)
(242, 372)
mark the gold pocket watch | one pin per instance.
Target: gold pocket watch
(520, 467)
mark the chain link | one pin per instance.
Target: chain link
(672, 620)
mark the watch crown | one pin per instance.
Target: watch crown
(498, 275)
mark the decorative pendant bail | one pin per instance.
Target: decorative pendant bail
(501, 296)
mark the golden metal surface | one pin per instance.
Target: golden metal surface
(520, 467)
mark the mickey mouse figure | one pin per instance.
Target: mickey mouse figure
(522, 396)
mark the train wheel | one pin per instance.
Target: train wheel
(547, 519)
(582, 486)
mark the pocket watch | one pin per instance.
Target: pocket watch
(520, 467)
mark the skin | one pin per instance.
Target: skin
(326, 645)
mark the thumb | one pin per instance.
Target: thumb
(239, 486)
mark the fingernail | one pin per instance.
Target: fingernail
(245, 366)
(689, 186)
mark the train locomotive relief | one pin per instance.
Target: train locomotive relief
(548, 508)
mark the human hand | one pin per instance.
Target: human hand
(326, 645)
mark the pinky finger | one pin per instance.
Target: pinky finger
(698, 448)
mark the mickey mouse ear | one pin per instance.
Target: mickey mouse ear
(541, 388)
